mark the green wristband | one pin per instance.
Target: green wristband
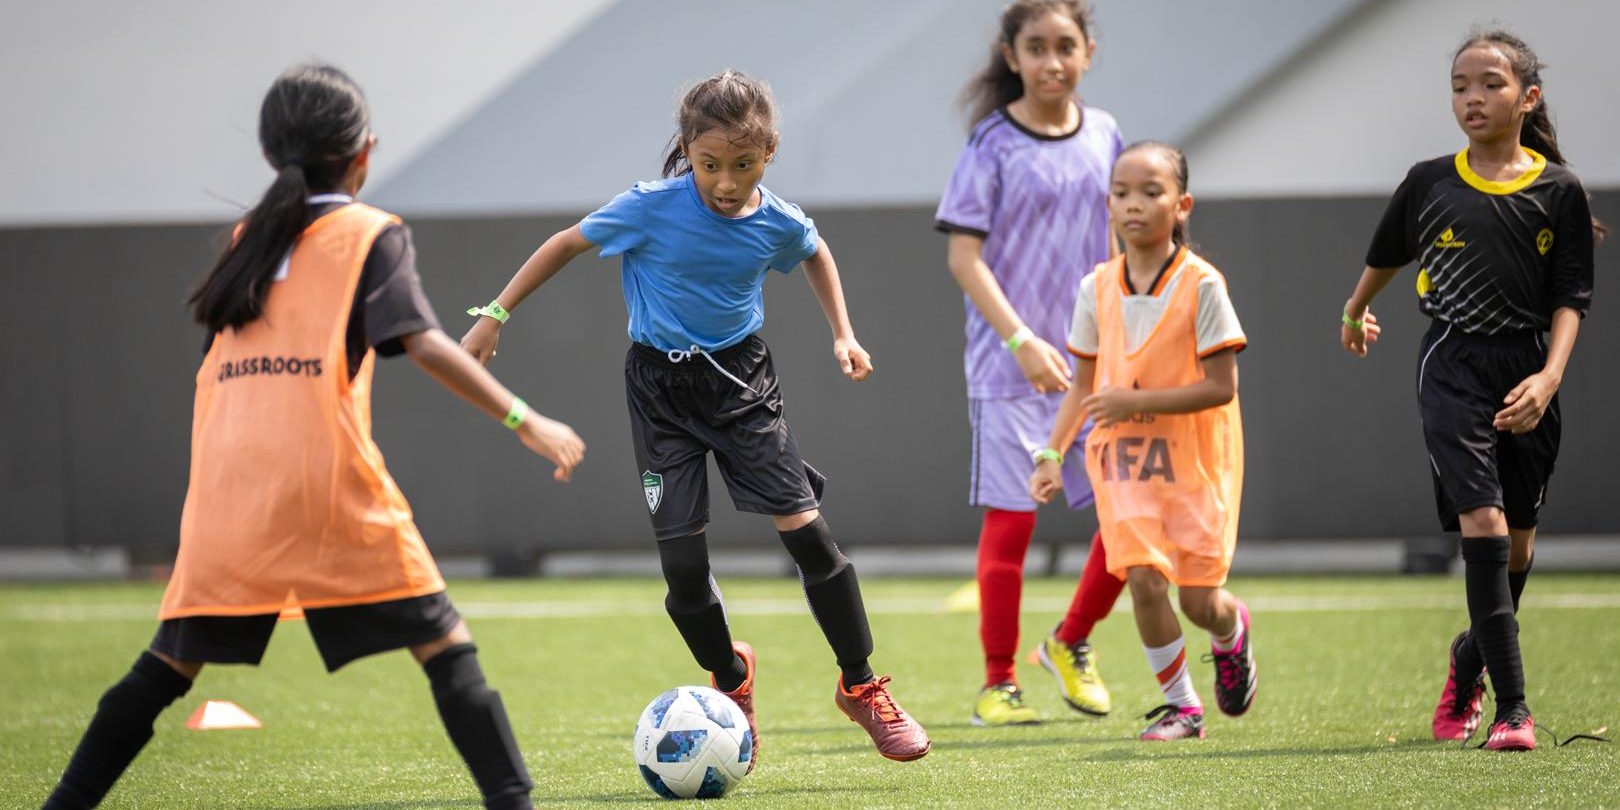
(1018, 339)
(1352, 322)
(492, 310)
(1048, 454)
(514, 418)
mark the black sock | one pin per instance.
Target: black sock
(476, 721)
(1468, 656)
(1516, 580)
(694, 606)
(1490, 611)
(121, 727)
(834, 595)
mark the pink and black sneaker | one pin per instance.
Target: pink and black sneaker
(1172, 722)
(1514, 731)
(1236, 677)
(1461, 705)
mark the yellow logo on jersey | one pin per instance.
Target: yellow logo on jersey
(1544, 240)
(1448, 240)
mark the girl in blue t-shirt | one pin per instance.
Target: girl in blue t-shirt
(696, 246)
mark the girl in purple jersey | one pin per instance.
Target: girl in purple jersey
(1027, 218)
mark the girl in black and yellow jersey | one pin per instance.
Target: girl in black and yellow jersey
(289, 502)
(1503, 236)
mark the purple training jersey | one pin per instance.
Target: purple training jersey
(1041, 204)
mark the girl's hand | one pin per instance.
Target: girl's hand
(854, 360)
(481, 340)
(1356, 341)
(555, 441)
(1110, 406)
(1045, 367)
(1046, 481)
(1526, 403)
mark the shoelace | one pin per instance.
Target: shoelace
(1167, 711)
(1517, 719)
(1012, 695)
(1462, 700)
(876, 698)
(1231, 669)
(1079, 657)
(680, 356)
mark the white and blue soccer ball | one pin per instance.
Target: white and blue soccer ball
(693, 742)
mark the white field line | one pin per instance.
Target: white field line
(576, 609)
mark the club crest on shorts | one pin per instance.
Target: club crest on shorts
(652, 485)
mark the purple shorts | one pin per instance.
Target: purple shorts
(1006, 434)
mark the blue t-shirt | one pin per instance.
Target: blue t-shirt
(691, 276)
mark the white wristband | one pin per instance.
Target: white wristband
(1018, 338)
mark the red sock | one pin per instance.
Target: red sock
(1093, 599)
(1003, 542)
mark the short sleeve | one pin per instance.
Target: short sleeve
(1394, 244)
(1569, 276)
(391, 301)
(1083, 339)
(617, 227)
(802, 243)
(1217, 327)
(970, 198)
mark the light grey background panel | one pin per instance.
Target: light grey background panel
(868, 93)
(98, 359)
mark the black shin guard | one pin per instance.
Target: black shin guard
(1490, 611)
(694, 605)
(476, 721)
(121, 727)
(834, 595)
(1468, 656)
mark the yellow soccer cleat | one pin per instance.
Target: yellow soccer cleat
(1076, 671)
(1003, 705)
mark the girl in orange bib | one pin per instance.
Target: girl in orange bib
(289, 502)
(1157, 339)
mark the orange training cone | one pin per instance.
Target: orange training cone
(218, 714)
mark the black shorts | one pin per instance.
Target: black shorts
(683, 409)
(342, 634)
(1462, 380)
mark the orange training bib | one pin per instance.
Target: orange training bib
(1168, 485)
(289, 501)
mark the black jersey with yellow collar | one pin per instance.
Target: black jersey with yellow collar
(1495, 256)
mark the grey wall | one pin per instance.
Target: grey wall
(96, 359)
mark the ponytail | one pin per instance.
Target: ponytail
(312, 124)
(233, 293)
(1536, 132)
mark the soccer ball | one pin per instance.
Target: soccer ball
(692, 742)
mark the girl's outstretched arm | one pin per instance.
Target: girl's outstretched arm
(1529, 399)
(1111, 405)
(1355, 340)
(546, 261)
(446, 363)
(822, 273)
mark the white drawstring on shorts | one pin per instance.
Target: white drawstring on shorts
(679, 356)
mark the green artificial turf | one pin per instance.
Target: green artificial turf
(1349, 672)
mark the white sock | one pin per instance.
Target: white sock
(1175, 680)
(1231, 643)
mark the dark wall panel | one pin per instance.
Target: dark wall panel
(97, 356)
